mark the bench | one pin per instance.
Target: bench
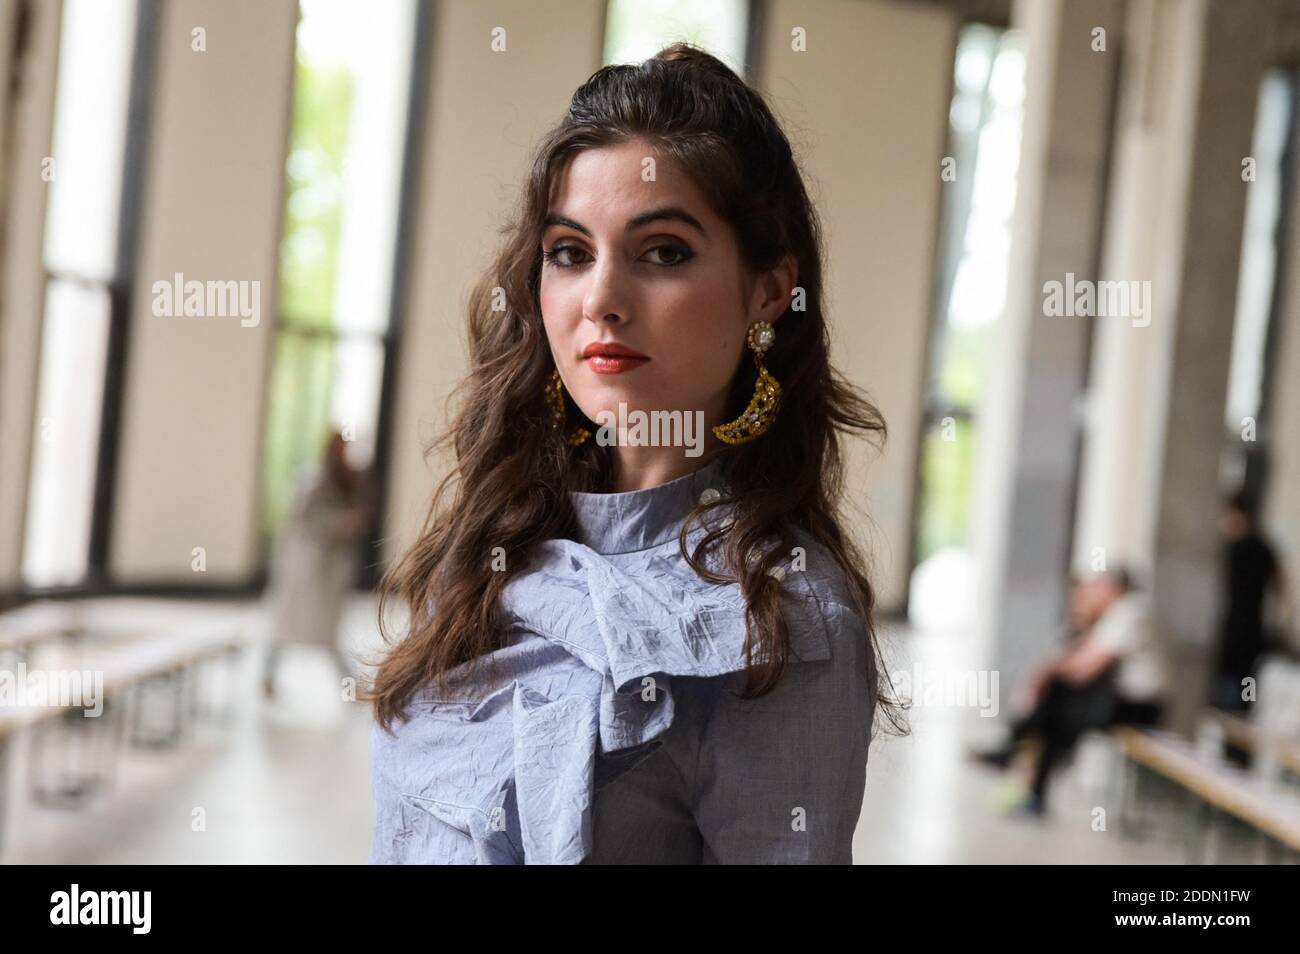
(127, 661)
(1246, 735)
(1269, 809)
(23, 629)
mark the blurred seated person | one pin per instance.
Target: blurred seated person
(1112, 673)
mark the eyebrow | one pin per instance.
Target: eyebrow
(669, 213)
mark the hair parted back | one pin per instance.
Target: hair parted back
(511, 474)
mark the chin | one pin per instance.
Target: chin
(600, 394)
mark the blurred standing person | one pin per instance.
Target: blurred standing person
(1250, 570)
(318, 558)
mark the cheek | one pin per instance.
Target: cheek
(701, 326)
(561, 316)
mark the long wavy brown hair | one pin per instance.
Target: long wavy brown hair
(513, 470)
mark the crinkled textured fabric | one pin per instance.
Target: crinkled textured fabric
(617, 735)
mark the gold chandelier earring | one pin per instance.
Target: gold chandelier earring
(761, 410)
(555, 401)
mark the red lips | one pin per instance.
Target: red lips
(611, 349)
(609, 357)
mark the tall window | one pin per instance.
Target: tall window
(352, 82)
(985, 124)
(86, 273)
(636, 30)
(1258, 280)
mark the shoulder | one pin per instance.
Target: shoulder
(1134, 608)
(818, 603)
(1127, 623)
(813, 571)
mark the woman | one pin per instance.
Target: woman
(623, 651)
(317, 559)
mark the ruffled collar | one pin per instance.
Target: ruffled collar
(641, 519)
(592, 651)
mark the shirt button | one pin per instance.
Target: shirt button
(710, 495)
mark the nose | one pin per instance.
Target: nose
(605, 300)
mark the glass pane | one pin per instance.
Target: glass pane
(987, 117)
(354, 410)
(1258, 268)
(351, 84)
(65, 447)
(947, 469)
(638, 29)
(352, 78)
(95, 54)
(985, 126)
(302, 380)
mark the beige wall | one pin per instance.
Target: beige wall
(192, 425)
(871, 147)
(22, 274)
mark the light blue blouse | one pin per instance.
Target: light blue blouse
(617, 735)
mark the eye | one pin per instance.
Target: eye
(677, 253)
(665, 256)
(557, 255)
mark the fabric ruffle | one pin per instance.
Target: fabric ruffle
(590, 655)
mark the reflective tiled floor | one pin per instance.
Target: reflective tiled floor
(288, 781)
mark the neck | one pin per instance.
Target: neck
(640, 467)
(640, 463)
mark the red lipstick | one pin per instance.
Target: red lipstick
(609, 357)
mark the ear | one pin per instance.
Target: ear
(773, 291)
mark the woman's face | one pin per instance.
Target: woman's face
(647, 265)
